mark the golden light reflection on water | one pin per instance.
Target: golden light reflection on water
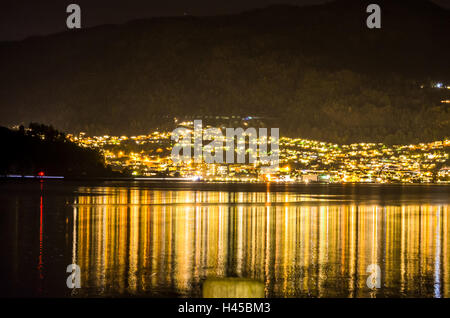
(163, 242)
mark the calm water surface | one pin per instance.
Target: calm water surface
(163, 240)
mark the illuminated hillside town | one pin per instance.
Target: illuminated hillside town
(300, 160)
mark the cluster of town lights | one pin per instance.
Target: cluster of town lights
(299, 160)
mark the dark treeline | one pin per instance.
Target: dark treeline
(317, 71)
(41, 148)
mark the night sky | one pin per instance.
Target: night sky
(20, 19)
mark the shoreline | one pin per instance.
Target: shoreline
(204, 182)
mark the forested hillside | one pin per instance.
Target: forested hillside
(316, 72)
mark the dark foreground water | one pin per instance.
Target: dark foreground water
(158, 240)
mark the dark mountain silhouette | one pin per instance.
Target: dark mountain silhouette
(317, 72)
(42, 148)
